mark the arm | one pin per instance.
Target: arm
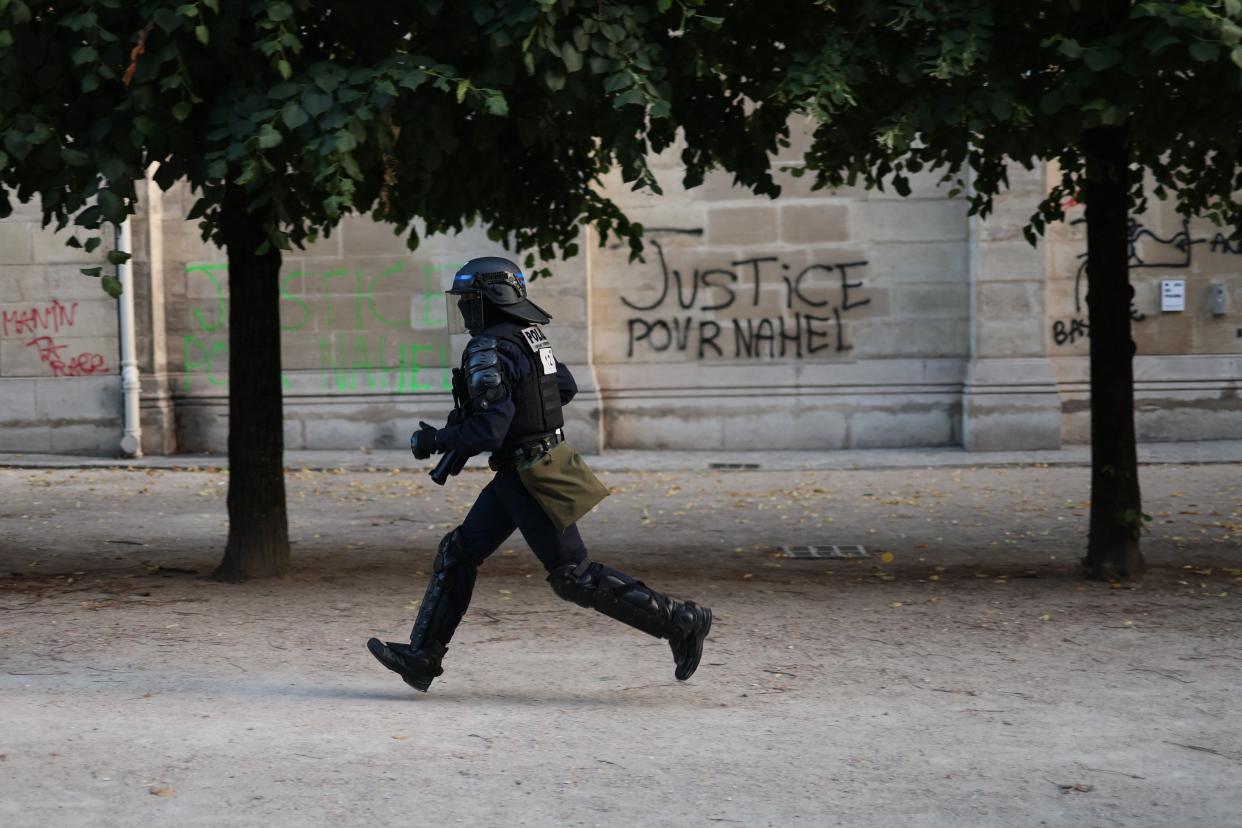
(489, 409)
(565, 382)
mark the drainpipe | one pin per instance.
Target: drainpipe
(131, 438)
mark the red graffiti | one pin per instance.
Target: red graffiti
(82, 365)
(50, 318)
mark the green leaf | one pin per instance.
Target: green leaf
(92, 271)
(202, 34)
(6, 38)
(663, 5)
(167, 19)
(181, 110)
(92, 243)
(285, 70)
(118, 257)
(293, 115)
(1236, 55)
(111, 286)
(279, 11)
(571, 56)
(269, 137)
(316, 103)
(83, 55)
(74, 158)
(463, 86)
(1204, 52)
(497, 105)
(112, 206)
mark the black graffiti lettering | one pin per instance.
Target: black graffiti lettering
(634, 323)
(847, 286)
(705, 340)
(730, 293)
(795, 287)
(812, 333)
(754, 263)
(681, 330)
(664, 289)
(747, 340)
(1067, 332)
(660, 324)
(795, 337)
(1223, 244)
(841, 346)
(765, 331)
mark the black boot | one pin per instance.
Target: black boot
(632, 602)
(693, 624)
(418, 667)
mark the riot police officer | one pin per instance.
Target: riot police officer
(515, 389)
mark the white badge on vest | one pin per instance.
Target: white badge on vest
(539, 345)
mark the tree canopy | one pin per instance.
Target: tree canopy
(964, 85)
(505, 113)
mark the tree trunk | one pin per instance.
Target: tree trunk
(258, 543)
(1116, 505)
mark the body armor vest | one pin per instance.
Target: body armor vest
(536, 394)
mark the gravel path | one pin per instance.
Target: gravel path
(961, 675)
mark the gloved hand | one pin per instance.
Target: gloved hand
(423, 441)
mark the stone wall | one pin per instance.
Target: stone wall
(813, 321)
(1188, 365)
(59, 389)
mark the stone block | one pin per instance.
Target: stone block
(918, 262)
(1010, 337)
(908, 221)
(17, 398)
(929, 338)
(27, 283)
(814, 223)
(1009, 300)
(932, 301)
(923, 185)
(25, 439)
(737, 226)
(360, 236)
(1164, 333)
(918, 420)
(50, 246)
(1006, 221)
(79, 398)
(1009, 261)
(15, 242)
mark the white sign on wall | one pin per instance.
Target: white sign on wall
(1172, 295)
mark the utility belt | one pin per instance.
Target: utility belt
(528, 449)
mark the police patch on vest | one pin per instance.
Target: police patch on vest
(549, 361)
(535, 338)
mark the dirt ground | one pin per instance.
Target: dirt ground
(960, 676)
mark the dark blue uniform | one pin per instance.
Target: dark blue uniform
(515, 390)
(504, 504)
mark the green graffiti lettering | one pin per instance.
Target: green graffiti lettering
(285, 296)
(205, 361)
(221, 300)
(375, 314)
(328, 276)
(430, 292)
(407, 368)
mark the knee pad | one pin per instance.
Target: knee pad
(452, 552)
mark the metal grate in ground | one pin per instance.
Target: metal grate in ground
(825, 551)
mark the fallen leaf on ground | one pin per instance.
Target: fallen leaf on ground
(164, 791)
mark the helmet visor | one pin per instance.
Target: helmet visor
(463, 312)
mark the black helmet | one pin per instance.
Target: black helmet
(502, 284)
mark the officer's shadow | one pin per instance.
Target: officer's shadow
(648, 695)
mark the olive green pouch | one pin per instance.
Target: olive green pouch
(562, 485)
